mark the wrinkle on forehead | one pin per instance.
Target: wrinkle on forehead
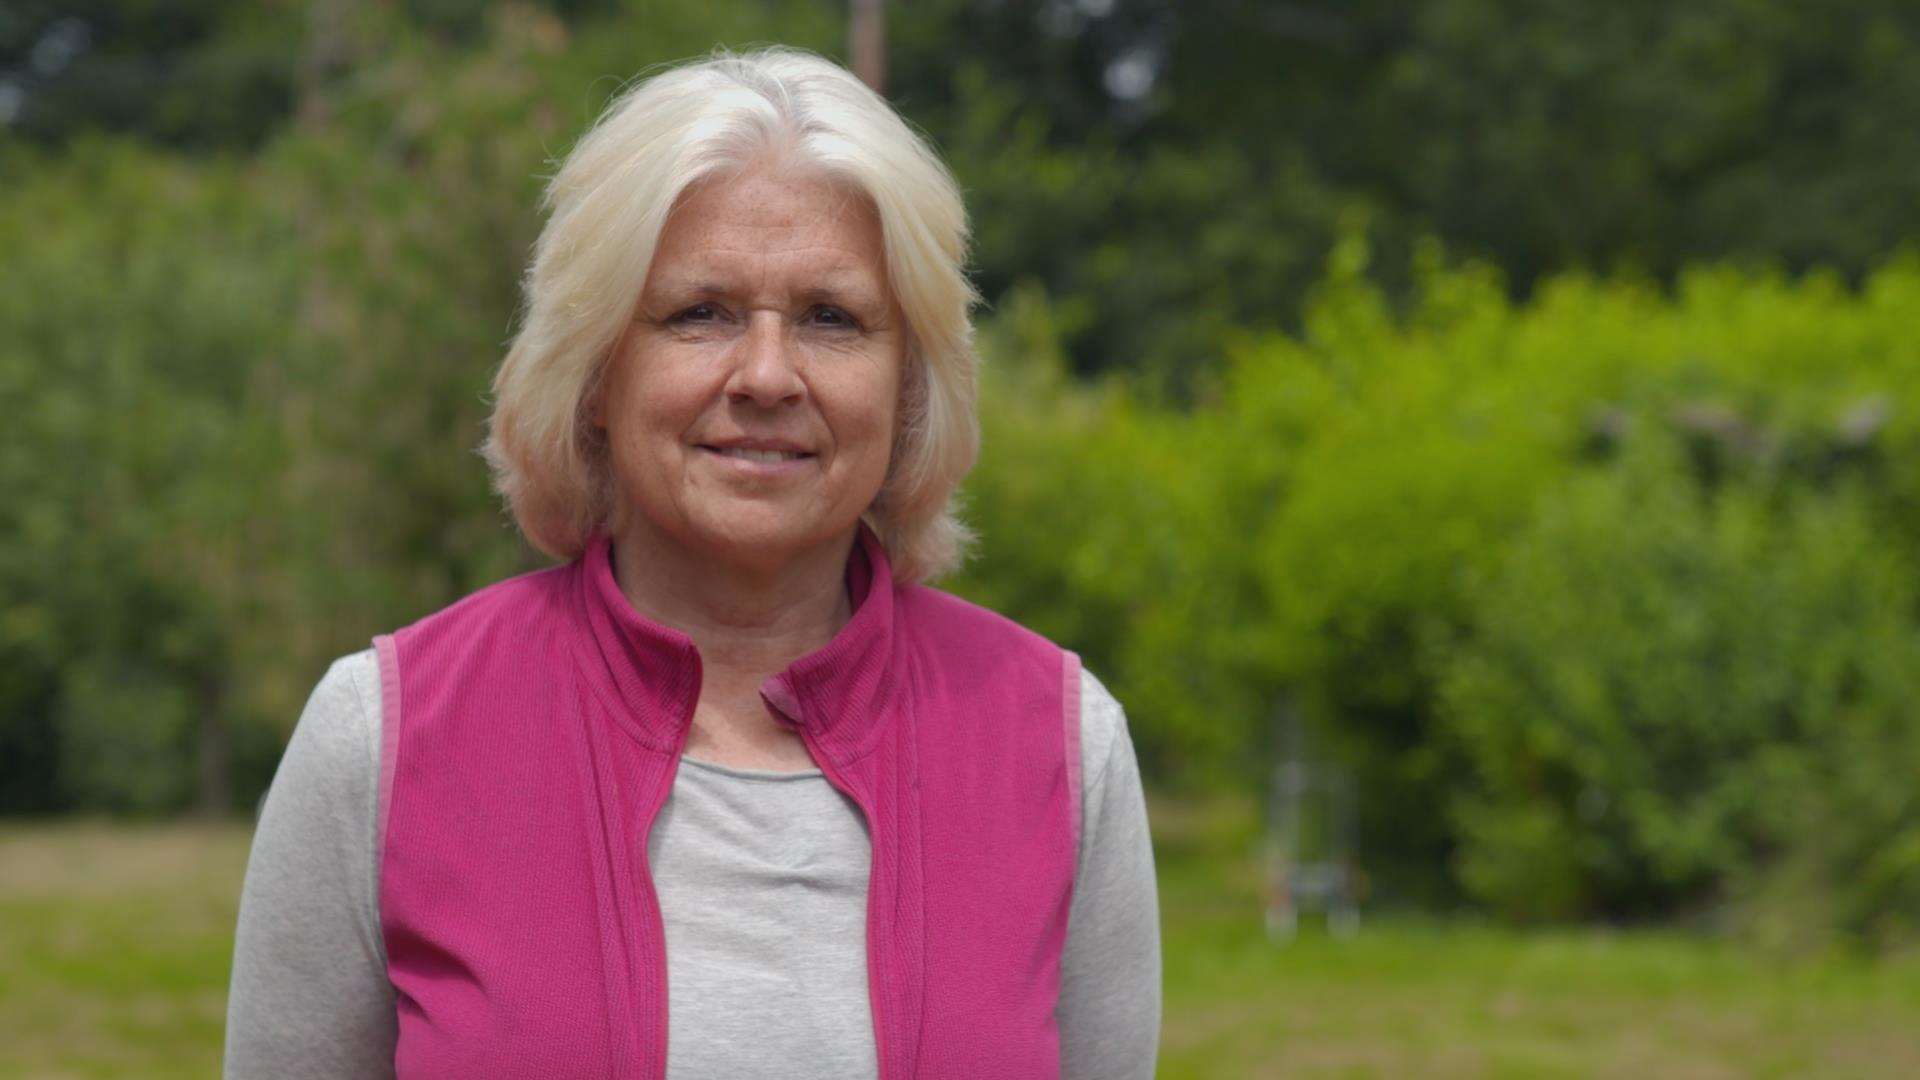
(829, 233)
(782, 170)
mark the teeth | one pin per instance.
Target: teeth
(759, 455)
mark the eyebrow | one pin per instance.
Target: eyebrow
(855, 294)
(849, 288)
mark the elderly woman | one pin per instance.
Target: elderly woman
(729, 792)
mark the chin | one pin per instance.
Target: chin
(749, 539)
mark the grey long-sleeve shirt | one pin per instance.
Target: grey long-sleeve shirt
(757, 988)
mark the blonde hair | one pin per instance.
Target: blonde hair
(607, 205)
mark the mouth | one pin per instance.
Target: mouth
(757, 463)
(746, 453)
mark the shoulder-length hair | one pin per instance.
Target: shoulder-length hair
(607, 205)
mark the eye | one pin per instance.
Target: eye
(830, 316)
(698, 313)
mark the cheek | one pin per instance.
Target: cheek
(653, 410)
(871, 416)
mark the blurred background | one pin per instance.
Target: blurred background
(1478, 441)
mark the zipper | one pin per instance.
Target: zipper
(832, 773)
(659, 917)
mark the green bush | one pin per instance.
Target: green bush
(1660, 683)
(1320, 526)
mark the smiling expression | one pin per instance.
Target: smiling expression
(750, 405)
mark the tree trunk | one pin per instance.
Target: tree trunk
(213, 795)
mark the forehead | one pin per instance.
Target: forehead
(764, 222)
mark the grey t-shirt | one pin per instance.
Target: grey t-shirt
(762, 879)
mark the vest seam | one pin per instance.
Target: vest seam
(392, 719)
(1072, 734)
(392, 724)
(372, 731)
(911, 739)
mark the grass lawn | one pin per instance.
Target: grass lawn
(115, 943)
(1431, 998)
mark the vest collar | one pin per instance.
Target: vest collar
(838, 697)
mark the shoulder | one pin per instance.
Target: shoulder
(357, 674)
(337, 745)
(1103, 729)
(321, 803)
(536, 589)
(330, 766)
(504, 609)
(336, 738)
(939, 616)
(972, 653)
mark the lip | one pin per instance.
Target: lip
(786, 445)
(747, 468)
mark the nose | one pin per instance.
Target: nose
(765, 370)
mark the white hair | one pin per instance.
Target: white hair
(607, 205)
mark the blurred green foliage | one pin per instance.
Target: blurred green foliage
(1672, 694)
(1175, 172)
(1607, 596)
(1602, 584)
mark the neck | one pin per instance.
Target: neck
(744, 618)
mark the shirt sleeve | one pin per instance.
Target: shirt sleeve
(1109, 1007)
(309, 997)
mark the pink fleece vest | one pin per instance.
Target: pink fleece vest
(531, 734)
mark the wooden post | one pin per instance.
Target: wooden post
(867, 43)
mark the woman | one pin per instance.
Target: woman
(728, 792)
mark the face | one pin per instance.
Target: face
(750, 404)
